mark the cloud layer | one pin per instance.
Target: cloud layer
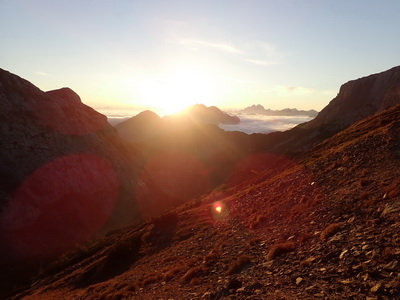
(265, 124)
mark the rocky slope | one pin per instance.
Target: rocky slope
(316, 224)
(356, 100)
(322, 225)
(65, 174)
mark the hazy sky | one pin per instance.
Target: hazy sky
(169, 53)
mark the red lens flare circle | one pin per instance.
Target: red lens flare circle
(59, 205)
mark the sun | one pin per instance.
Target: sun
(181, 89)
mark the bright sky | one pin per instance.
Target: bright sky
(171, 53)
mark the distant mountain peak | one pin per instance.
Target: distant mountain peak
(207, 115)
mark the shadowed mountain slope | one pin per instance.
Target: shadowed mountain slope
(65, 174)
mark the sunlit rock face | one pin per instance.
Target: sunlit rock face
(360, 98)
(65, 175)
(356, 100)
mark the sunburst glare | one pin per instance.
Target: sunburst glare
(178, 91)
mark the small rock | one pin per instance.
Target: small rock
(351, 220)
(392, 265)
(365, 247)
(319, 295)
(299, 280)
(343, 253)
(268, 264)
(346, 281)
(376, 288)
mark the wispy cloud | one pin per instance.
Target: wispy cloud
(216, 45)
(266, 54)
(301, 90)
(42, 73)
(261, 62)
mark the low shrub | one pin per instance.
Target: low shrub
(280, 249)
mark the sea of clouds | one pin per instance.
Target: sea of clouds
(248, 123)
(265, 124)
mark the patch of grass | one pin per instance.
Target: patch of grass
(280, 249)
(150, 280)
(304, 237)
(257, 221)
(194, 272)
(330, 230)
(173, 273)
(239, 264)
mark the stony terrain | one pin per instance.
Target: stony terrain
(321, 225)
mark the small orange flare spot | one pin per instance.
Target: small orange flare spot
(218, 208)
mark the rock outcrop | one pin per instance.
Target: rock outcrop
(65, 174)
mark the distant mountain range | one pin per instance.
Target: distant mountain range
(260, 110)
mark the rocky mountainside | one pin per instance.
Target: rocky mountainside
(230, 216)
(65, 174)
(356, 100)
(324, 225)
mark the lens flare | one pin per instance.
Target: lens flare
(218, 208)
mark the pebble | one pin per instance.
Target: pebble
(299, 280)
(376, 287)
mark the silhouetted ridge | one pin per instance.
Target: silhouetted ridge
(140, 127)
